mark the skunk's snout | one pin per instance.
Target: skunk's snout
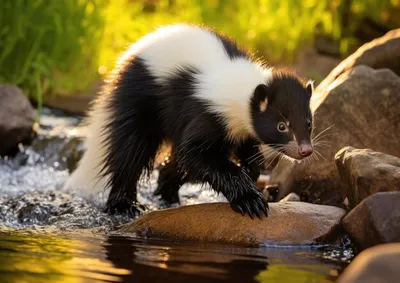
(305, 149)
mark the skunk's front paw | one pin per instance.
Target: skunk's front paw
(124, 207)
(251, 202)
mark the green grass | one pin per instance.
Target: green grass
(49, 45)
(62, 46)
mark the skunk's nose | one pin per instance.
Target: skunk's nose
(305, 149)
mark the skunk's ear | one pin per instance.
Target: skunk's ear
(261, 97)
(310, 87)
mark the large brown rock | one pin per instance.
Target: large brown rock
(364, 172)
(379, 264)
(381, 53)
(375, 220)
(16, 118)
(288, 223)
(362, 108)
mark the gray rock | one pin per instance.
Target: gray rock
(362, 107)
(288, 223)
(16, 118)
(379, 264)
(375, 220)
(364, 172)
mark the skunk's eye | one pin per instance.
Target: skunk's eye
(309, 124)
(282, 127)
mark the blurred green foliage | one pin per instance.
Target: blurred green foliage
(49, 45)
(62, 46)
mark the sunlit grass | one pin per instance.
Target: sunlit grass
(49, 45)
(273, 29)
(63, 46)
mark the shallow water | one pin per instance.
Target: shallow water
(28, 258)
(47, 235)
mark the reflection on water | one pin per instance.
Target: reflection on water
(27, 258)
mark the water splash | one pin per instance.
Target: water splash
(31, 183)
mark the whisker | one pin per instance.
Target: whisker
(315, 157)
(258, 155)
(323, 131)
(270, 154)
(321, 146)
(320, 137)
(308, 160)
(317, 152)
(277, 154)
(265, 151)
(322, 142)
(254, 157)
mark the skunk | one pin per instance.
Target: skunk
(197, 90)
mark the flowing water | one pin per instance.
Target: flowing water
(48, 235)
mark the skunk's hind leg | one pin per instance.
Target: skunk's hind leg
(169, 181)
(129, 156)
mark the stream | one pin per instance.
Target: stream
(49, 235)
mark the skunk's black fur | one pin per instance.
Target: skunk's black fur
(144, 113)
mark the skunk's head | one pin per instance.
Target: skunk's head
(281, 114)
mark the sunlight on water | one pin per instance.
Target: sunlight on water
(74, 258)
(296, 273)
(48, 259)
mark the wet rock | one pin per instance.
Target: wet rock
(55, 210)
(58, 151)
(77, 103)
(381, 53)
(375, 220)
(262, 181)
(362, 108)
(271, 192)
(379, 264)
(59, 142)
(364, 172)
(290, 197)
(289, 223)
(16, 118)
